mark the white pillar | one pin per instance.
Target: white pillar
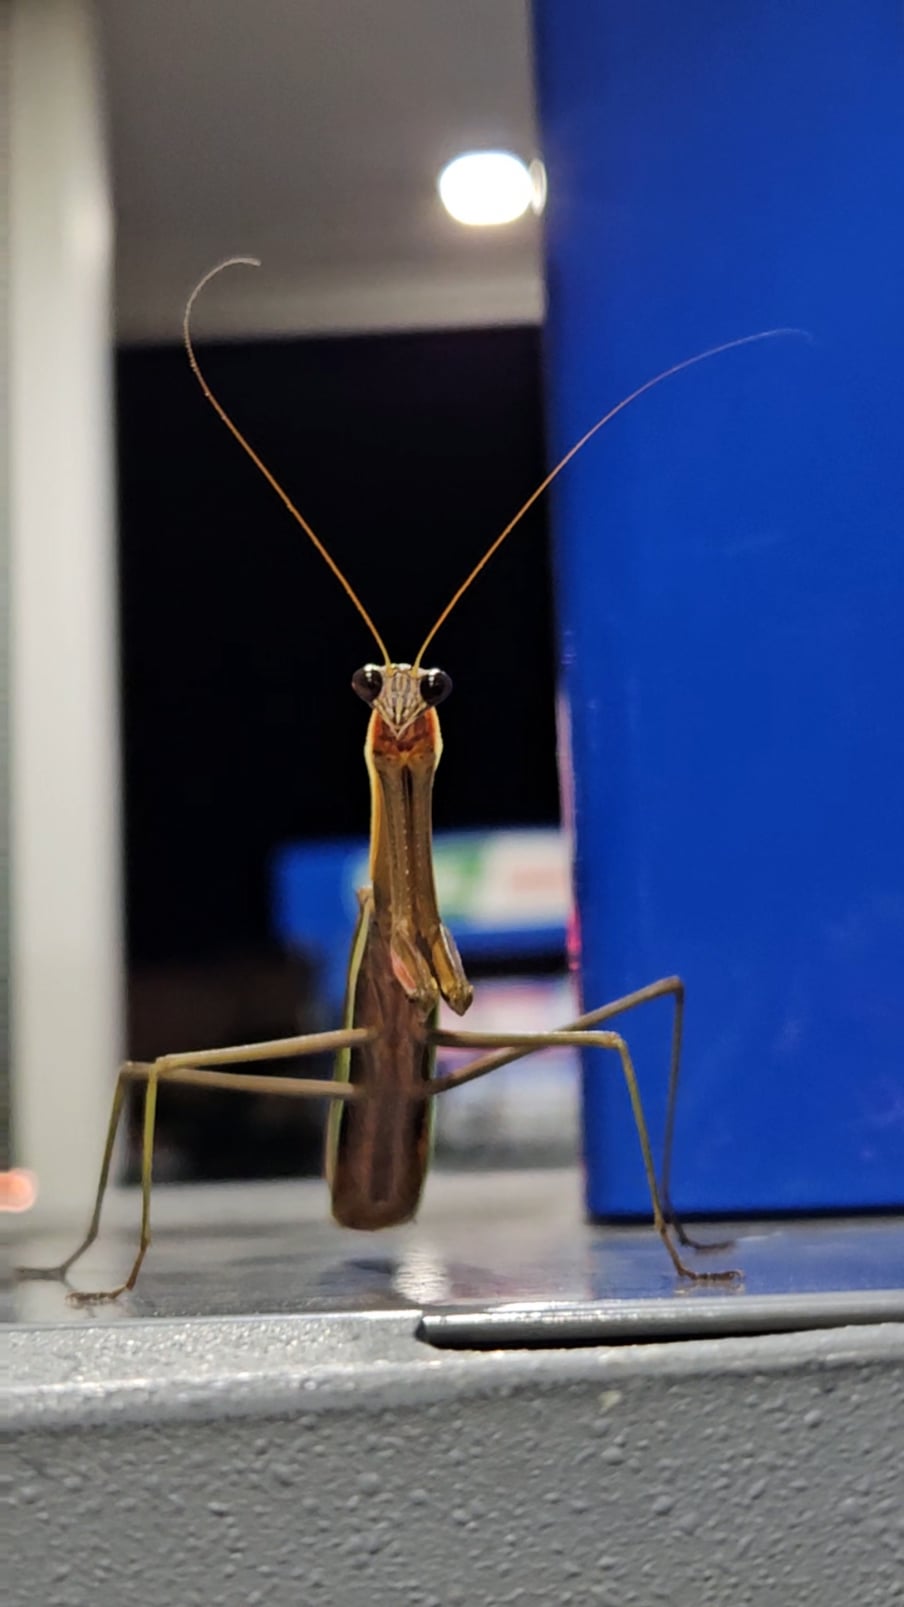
(66, 956)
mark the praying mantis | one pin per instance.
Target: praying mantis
(403, 958)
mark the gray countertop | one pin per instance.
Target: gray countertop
(498, 1405)
(503, 1258)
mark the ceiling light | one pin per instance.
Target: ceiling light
(488, 187)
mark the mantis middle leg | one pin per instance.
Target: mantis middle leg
(667, 987)
(514, 1046)
(192, 1069)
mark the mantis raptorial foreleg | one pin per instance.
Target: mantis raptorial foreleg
(187, 1070)
(515, 1046)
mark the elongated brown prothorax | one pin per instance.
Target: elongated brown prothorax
(403, 749)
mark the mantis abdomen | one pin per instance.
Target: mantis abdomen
(378, 1149)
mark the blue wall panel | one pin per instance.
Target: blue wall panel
(731, 576)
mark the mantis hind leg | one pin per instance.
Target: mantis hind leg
(191, 1070)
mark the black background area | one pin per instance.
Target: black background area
(407, 454)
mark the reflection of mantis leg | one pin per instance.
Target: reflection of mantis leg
(185, 1070)
(671, 986)
(516, 1045)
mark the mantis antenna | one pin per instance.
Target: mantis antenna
(252, 262)
(677, 368)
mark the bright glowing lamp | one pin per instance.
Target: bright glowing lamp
(483, 188)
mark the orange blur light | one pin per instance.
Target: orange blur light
(18, 1190)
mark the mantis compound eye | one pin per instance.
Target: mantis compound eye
(435, 686)
(368, 682)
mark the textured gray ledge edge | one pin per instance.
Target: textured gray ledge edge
(282, 1461)
(602, 1322)
(198, 1369)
